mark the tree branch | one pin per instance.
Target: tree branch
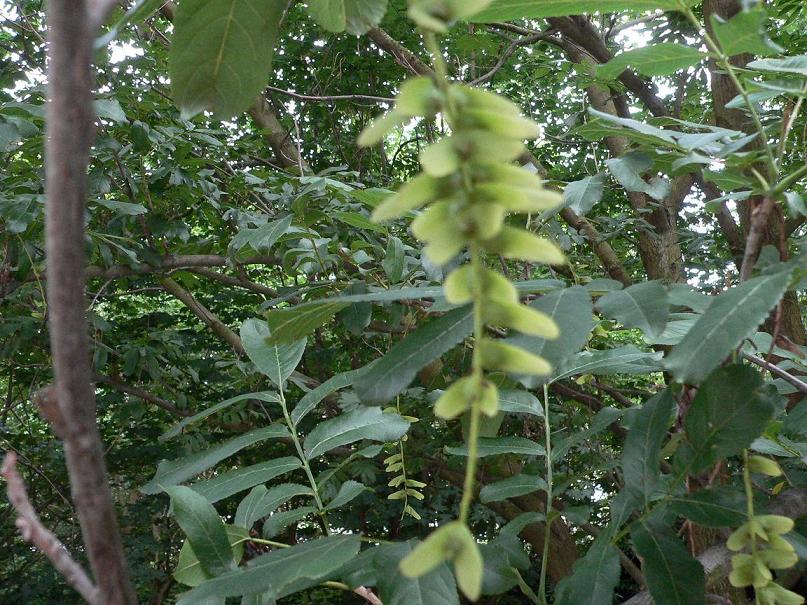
(69, 134)
(141, 394)
(402, 55)
(36, 533)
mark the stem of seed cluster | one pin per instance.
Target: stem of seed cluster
(548, 447)
(749, 503)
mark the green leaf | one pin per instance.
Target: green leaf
(733, 406)
(221, 52)
(204, 529)
(110, 109)
(602, 419)
(581, 195)
(520, 402)
(185, 422)
(787, 65)
(362, 423)
(628, 170)
(354, 16)
(732, 317)
(243, 478)
(744, 33)
(622, 360)
(434, 588)
(299, 566)
(280, 520)
(391, 374)
(261, 238)
(642, 306)
(571, 310)
(511, 487)
(641, 455)
(287, 326)
(314, 396)
(354, 219)
(189, 570)
(502, 557)
(594, 577)
(673, 576)
(493, 446)
(394, 260)
(714, 507)
(176, 471)
(261, 501)
(660, 59)
(124, 208)
(277, 362)
(508, 10)
(348, 491)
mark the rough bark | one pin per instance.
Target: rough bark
(69, 136)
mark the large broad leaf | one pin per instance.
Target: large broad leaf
(641, 455)
(362, 423)
(493, 446)
(744, 33)
(225, 485)
(511, 487)
(301, 565)
(261, 501)
(572, 311)
(787, 65)
(289, 325)
(660, 59)
(642, 306)
(581, 195)
(221, 53)
(204, 529)
(717, 507)
(622, 360)
(731, 318)
(189, 570)
(314, 396)
(733, 406)
(185, 422)
(392, 373)
(354, 16)
(176, 471)
(435, 588)
(673, 576)
(628, 170)
(277, 362)
(593, 578)
(507, 10)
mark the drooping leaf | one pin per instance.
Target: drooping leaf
(314, 396)
(221, 53)
(300, 565)
(714, 507)
(641, 455)
(493, 446)
(628, 170)
(176, 471)
(744, 33)
(732, 407)
(362, 423)
(622, 360)
(277, 362)
(435, 588)
(261, 238)
(175, 430)
(733, 316)
(642, 306)
(518, 485)
(571, 310)
(594, 577)
(581, 195)
(348, 491)
(244, 478)
(507, 10)
(261, 501)
(660, 59)
(289, 325)
(786, 65)
(502, 557)
(189, 570)
(520, 402)
(204, 529)
(274, 524)
(353, 16)
(392, 373)
(673, 576)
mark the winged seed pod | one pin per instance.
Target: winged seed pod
(461, 202)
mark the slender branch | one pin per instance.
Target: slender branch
(774, 369)
(141, 394)
(301, 97)
(756, 235)
(235, 281)
(36, 533)
(402, 55)
(69, 130)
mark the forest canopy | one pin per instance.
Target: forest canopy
(403, 302)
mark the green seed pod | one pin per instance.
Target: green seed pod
(517, 198)
(773, 594)
(484, 220)
(778, 543)
(502, 124)
(418, 97)
(775, 524)
(455, 399)
(461, 9)
(418, 192)
(762, 575)
(470, 99)
(488, 398)
(739, 537)
(460, 287)
(514, 176)
(378, 128)
(776, 559)
(473, 145)
(468, 566)
(430, 15)
(764, 466)
(441, 158)
(440, 546)
(518, 244)
(507, 358)
(520, 317)
(742, 570)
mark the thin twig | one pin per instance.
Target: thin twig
(33, 531)
(774, 369)
(301, 97)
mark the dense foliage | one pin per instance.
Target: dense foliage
(425, 302)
